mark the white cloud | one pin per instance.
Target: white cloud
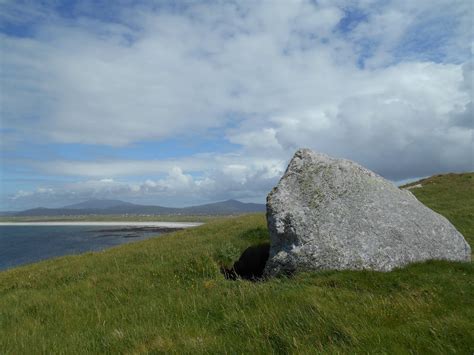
(282, 68)
(174, 189)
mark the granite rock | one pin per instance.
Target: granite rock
(333, 214)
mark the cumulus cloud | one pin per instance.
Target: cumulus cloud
(348, 78)
(174, 189)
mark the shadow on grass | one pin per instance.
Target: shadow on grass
(250, 265)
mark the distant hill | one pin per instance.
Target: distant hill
(117, 207)
(6, 213)
(98, 204)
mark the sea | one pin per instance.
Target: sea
(25, 244)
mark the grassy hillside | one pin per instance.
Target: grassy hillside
(167, 295)
(452, 195)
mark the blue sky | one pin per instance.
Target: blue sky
(186, 102)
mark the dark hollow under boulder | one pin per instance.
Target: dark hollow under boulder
(250, 265)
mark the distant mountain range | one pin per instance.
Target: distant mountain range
(98, 204)
(117, 207)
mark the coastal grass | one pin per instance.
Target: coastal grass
(167, 295)
(451, 195)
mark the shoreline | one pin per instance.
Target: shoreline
(122, 224)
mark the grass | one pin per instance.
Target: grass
(451, 195)
(166, 295)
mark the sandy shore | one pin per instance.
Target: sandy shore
(127, 224)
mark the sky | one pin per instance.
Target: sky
(179, 103)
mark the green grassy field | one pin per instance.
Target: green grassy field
(166, 295)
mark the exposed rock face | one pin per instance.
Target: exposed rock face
(333, 214)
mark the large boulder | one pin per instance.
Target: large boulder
(333, 214)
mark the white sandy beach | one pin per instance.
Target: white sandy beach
(127, 224)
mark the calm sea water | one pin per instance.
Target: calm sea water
(27, 244)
